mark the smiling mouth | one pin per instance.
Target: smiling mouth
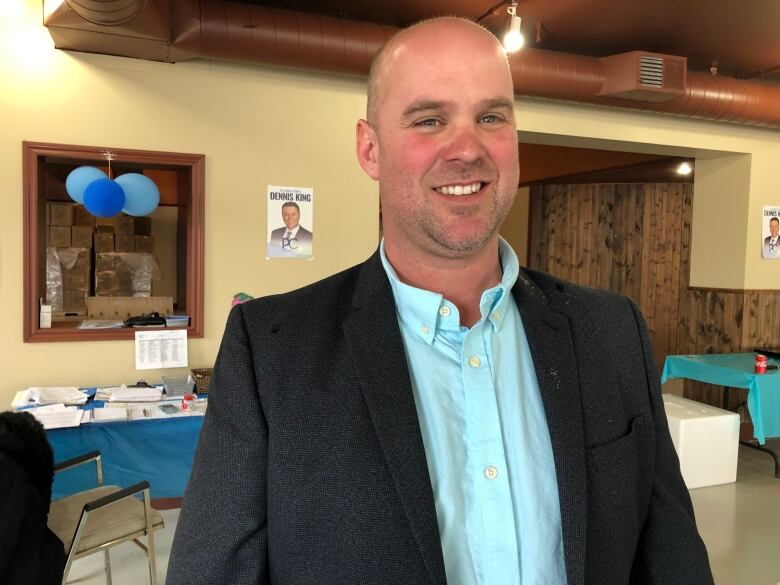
(460, 189)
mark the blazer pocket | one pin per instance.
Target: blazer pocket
(618, 452)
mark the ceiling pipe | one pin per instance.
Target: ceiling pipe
(221, 29)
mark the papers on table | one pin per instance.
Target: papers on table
(50, 395)
(135, 394)
(108, 414)
(57, 416)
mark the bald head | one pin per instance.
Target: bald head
(435, 31)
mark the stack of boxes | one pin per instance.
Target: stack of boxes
(69, 241)
(124, 265)
(123, 233)
(123, 260)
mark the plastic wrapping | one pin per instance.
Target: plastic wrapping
(53, 280)
(125, 274)
(59, 261)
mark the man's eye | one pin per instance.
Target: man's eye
(428, 122)
(490, 119)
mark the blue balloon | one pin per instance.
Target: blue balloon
(104, 198)
(78, 180)
(141, 194)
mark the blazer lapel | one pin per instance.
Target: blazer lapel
(549, 337)
(374, 338)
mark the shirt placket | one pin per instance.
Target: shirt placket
(497, 562)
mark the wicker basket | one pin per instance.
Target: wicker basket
(202, 379)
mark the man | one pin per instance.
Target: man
(451, 418)
(771, 244)
(293, 235)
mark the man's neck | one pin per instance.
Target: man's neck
(461, 280)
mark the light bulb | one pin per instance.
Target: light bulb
(513, 39)
(684, 169)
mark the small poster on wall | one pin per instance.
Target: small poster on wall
(290, 222)
(770, 232)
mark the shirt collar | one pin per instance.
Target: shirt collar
(293, 232)
(425, 312)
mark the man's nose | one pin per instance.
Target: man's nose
(465, 144)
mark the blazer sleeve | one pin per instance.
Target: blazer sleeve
(670, 550)
(221, 536)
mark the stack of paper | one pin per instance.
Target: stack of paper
(57, 416)
(109, 414)
(56, 395)
(135, 394)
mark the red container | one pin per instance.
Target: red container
(760, 364)
(188, 399)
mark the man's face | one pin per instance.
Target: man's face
(444, 144)
(290, 215)
(774, 227)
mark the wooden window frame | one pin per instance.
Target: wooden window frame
(192, 167)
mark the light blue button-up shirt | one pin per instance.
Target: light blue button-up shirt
(485, 435)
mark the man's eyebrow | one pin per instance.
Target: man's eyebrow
(424, 106)
(499, 103)
(436, 105)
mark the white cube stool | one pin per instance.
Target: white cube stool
(706, 439)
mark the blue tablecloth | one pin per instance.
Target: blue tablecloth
(735, 370)
(158, 450)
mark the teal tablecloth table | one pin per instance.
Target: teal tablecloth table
(735, 370)
(157, 450)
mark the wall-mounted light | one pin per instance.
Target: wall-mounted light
(684, 168)
(513, 39)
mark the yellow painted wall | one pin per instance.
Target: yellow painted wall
(255, 125)
(258, 125)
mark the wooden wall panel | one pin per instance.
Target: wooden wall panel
(635, 239)
(621, 237)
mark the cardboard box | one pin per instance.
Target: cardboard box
(113, 277)
(105, 229)
(82, 217)
(143, 226)
(104, 242)
(81, 236)
(59, 236)
(105, 221)
(124, 225)
(74, 300)
(124, 274)
(60, 214)
(124, 243)
(144, 244)
(67, 269)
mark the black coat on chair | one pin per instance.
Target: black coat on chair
(30, 553)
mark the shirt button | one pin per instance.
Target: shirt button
(445, 311)
(497, 315)
(424, 330)
(474, 361)
(491, 472)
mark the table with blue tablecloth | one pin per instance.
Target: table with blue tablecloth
(157, 450)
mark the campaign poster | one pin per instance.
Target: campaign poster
(290, 230)
(770, 233)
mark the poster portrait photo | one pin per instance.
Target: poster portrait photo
(770, 233)
(290, 224)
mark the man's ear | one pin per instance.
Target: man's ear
(367, 146)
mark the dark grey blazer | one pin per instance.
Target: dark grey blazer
(311, 469)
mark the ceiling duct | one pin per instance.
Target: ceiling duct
(644, 76)
(221, 29)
